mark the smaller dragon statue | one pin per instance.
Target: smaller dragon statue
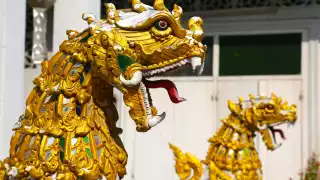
(232, 154)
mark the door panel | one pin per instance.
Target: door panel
(286, 161)
(152, 156)
(187, 125)
(193, 122)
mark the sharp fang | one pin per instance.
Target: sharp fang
(156, 119)
(136, 79)
(277, 146)
(196, 64)
(262, 127)
(201, 69)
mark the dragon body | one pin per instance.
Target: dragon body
(68, 130)
(232, 154)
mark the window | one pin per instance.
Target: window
(207, 71)
(260, 55)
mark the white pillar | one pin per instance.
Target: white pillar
(314, 75)
(12, 40)
(317, 97)
(68, 15)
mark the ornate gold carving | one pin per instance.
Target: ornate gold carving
(232, 154)
(68, 130)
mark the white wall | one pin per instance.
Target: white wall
(68, 15)
(12, 33)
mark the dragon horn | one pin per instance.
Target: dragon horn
(137, 5)
(159, 5)
(177, 12)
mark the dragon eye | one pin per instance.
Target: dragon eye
(161, 25)
(269, 107)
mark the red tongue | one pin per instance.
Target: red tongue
(169, 86)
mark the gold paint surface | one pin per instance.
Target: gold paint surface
(68, 130)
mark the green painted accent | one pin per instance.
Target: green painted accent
(62, 144)
(124, 62)
(86, 140)
(245, 150)
(61, 156)
(86, 38)
(80, 34)
(89, 152)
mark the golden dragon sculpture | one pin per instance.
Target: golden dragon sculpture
(68, 130)
(232, 154)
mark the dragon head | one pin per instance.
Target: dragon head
(132, 45)
(264, 114)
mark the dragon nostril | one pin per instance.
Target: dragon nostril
(198, 35)
(195, 24)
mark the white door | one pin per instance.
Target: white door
(251, 72)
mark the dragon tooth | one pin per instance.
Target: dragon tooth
(147, 73)
(156, 119)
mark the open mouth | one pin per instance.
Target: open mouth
(194, 62)
(140, 78)
(169, 86)
(274, 131)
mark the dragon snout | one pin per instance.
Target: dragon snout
(195, 24)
